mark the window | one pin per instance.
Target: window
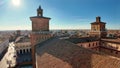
(116, 52)
(89, 45)
(116, 47)
(30, 50)
(20, 51)
(23, 50)
(93, 44)
(111, 51)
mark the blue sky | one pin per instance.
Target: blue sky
(65, 14)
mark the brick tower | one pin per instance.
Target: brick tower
(40, 31)
(98, 28)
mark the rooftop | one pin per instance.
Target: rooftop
(98, 21)
(2, 40)
(21, 39)
(112, 40)
(56, 53)
(40, 17)
(82, 40)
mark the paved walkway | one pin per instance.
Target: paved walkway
(10, 55)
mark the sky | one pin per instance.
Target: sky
(64, 14)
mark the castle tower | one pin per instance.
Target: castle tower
(18, 32)
(40, 11)
(98, 28)
(40, 31)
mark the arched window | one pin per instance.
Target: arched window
(93, 44)
(89, 44)
(20, 51)
(30, 50)
(27, 51)
(24, 51)
(111, 51)
(17, 51)
(96, 43)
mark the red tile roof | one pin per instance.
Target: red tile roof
(57, 53)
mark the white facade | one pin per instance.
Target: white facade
(23, 47)
(9, 59)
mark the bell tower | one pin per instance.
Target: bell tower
(39, 22)
(98, 19)
(98, 28)
(40, 11)
(40, 31)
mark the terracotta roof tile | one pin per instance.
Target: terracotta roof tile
(57, 53)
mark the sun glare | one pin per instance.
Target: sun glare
(16, 2)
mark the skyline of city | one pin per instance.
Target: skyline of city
(73, 14)
(79, 39)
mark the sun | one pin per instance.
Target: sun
(16, 2)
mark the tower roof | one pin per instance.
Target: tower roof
(98, 21)
(39, 11)
(39, 8)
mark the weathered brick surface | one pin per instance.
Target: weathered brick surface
(57, 53)
(40, 23)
